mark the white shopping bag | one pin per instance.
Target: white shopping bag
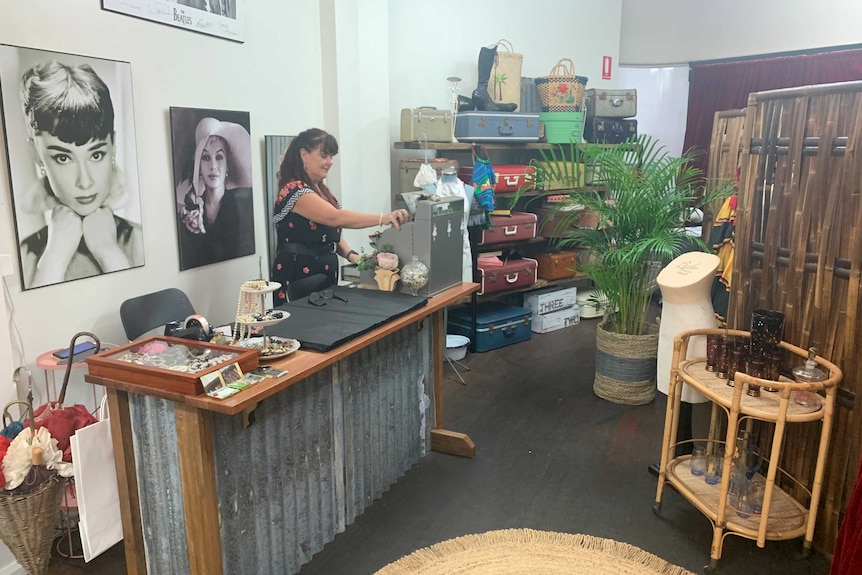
(96, 486)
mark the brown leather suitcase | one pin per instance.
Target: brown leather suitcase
(557, 265)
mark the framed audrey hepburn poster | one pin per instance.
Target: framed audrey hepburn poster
(70, 140)
(222, 18)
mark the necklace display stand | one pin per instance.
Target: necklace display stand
(252, 319)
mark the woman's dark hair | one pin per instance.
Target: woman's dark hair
(69, 102)
(292, 167)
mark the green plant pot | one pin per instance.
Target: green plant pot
(625, 366)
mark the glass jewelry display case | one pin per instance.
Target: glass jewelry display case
(169, 363)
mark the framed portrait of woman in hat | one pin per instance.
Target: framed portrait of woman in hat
(212, 185)
(70, 140)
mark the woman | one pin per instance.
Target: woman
(308, 219)
(216, 222)
(70, 125)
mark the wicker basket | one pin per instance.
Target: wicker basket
(561, 90)
(27, 524)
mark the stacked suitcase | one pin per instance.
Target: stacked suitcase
(553, 309)
(610, 116)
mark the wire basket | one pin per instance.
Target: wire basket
(27, 524)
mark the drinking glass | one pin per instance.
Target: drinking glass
(712, 472)
(767, 329)
(698, 460)
(713, 344)
(756, 368)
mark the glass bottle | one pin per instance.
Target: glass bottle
(809, 373)
(414, 275)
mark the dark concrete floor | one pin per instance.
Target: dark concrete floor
(550, 455)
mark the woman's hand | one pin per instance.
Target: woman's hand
(395, 218)
(100, 235)
(64, 234)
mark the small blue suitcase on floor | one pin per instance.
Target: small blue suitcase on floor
(497, 324)
(496, 127)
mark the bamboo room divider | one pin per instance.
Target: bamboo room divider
(799, 250)
(725, 149)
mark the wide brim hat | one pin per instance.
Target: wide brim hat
(239, 163)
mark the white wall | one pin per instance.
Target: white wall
(680, 31)
(443, 39)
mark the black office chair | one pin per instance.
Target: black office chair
(149, 311)
(301, 288)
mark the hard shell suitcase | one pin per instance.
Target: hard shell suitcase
(497, 324)
(558, 265)
(563, 127)
(529, 97)
(426, 124)
(609, 130)
(496, 127)
(514, 273)
(518, 226)
(510, 177)
(611, 103)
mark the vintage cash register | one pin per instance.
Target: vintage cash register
(434, 235)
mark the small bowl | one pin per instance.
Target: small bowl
(387, 261)
(456, 346)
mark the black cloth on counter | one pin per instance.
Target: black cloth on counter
(323, 328)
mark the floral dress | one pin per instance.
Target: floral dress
(291, 227)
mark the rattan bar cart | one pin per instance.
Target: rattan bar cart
(783, 516)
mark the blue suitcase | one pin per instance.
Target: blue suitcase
(496, 127)
(497, 324)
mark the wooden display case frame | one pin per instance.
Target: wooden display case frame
(106, 364)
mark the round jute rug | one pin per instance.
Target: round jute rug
(529, 552)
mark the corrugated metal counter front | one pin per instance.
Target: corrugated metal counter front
(203, 495)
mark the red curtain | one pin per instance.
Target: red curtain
(725, 86)
(847, 558)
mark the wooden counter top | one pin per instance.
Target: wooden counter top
(299, 364)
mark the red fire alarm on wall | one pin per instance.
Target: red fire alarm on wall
(606, 67)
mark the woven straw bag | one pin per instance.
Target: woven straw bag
(505, 81)
(561, 90)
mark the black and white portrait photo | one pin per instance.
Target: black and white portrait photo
(223, 18)
(70, 141)
(212, 185)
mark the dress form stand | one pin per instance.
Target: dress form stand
(686, 288)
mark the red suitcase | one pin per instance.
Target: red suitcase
(510, 177)
(512, 274)
(518, 226)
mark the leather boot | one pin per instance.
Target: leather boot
(481, 98)
(465, 104)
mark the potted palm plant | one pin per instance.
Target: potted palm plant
(640, 198)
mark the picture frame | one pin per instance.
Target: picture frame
(221, 18)
(274, 149)
(49, 143)
(170, 364)
(211, 152)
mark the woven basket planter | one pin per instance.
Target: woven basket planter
(27, 524)
(625, 365)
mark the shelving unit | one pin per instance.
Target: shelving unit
(782, 516)
(526, 248)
